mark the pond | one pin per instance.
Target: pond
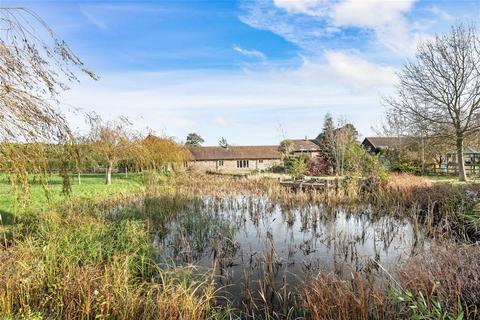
(263, 252)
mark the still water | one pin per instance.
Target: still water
(257, 246)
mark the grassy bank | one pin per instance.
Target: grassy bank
(78, 259)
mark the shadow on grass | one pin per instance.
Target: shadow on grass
(56, 179)
(7, 218)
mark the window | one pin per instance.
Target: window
(260, 161)
(242, 163)
(220, 163)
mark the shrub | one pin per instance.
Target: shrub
(405, 167)
(297, 165)
(318, 166)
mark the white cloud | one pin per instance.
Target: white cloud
(174, 102)
(385, 18)
(310, 7)
(250, 53)
(441, 13)
(370, 13)
(310, 23)
(297, 29)
(359, 72)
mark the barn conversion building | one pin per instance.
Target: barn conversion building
(246, 158)
(376, 144)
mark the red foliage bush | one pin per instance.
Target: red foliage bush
(318, 166)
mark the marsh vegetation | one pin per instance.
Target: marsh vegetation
(200, 246)
(153, 243)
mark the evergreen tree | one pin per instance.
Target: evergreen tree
(223, 143)
(327, 141)
(194, 140)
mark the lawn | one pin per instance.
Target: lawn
(92, 186)
(452, 179)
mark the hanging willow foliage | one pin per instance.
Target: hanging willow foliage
(35, 67)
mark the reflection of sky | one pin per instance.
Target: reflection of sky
(309, 239)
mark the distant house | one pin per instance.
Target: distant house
(471, 156)
(305, 146)
(246, 157)
(234, 157)
(377, 144)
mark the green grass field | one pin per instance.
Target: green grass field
(92, 187)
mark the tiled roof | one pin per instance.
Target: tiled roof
(235, 152)
(388, 142)
(303, 145)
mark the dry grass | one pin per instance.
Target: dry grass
(450, 274)
(444, 210)
(358, 297)
(79, 263)
(443, 282)
(99, 291)
(405, 182)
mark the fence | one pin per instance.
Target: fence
(451, 169)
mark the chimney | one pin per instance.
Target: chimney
(306, 138)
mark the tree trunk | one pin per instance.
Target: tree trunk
(462, 175)
(423, 155)
(108, 174)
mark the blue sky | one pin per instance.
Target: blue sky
(250, 71)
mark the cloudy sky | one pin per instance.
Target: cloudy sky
(249, 71)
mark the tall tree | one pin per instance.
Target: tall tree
(285, 148)
(344, 137)
(193, 140)
(327, 140)
(440, 88)
(162, 153)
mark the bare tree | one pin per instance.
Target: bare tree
(344, 136)
(440, 89)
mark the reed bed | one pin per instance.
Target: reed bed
(95, 260)
(441, 284)
(444, 210)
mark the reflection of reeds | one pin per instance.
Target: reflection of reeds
(441, 208)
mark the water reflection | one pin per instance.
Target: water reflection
(259, 247)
